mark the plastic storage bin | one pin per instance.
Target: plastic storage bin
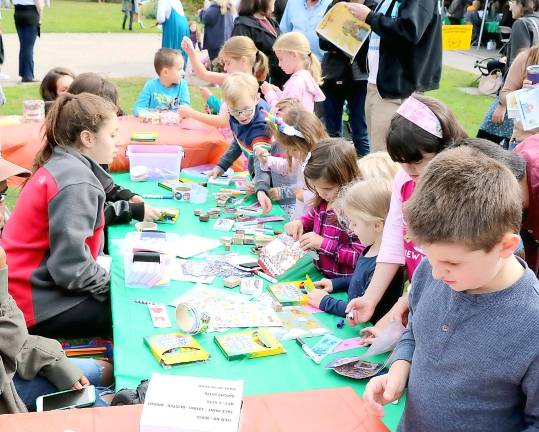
(154, 162)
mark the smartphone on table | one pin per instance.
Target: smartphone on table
(66, 399)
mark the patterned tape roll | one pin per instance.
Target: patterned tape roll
(191, 320)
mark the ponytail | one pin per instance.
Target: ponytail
(261, 66)
(314, 67)
(68, 117)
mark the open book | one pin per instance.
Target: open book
(344, 30)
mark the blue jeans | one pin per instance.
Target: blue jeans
(354, 93)
(27, 38)
(30, 390)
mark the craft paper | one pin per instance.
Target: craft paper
(386, 340)
(325, 346)
(349, 344)
(297, 322)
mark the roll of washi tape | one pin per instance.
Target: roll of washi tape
(146, 226)
(191, 320)
(181, 193)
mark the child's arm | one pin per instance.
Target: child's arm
(272, 94)
(184, 97)
(530, 388)
(221, 120)
(198, 68)
(143, 100)
(345, 253)
(230, 156)
(70, 263)
(262, 181)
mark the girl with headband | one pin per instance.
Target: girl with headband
(421, 128)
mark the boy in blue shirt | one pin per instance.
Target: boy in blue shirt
(248, 124)
(470, 354)
(168, 90)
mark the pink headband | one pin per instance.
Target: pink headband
(421, 115)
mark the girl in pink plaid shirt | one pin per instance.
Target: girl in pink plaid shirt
(331, 166)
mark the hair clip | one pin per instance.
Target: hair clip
(281, 126)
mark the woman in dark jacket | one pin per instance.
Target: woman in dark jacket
(218, 22)
(345, 82)
(255, 22)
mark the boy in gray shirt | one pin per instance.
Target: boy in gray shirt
(470, 354)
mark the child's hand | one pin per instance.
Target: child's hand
(136, 199)
(205, 92)
(294, 229)
(498, 114)
(249, 188)
(298, 192)
(361, 309)
(315, 297)
(264, 201)
(275, 194)
(266, 87)
(216, 172)
(527, 84)
(185, 111)
(387, 388)
(369, 334)
(311, 241)
(151, 214)
(82, 382)
(262, 154)
(187, 46)
(324, 284)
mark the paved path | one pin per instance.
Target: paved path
(128, 54)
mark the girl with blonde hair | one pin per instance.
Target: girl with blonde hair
(296, 59)
(377, 165)
(364, 206)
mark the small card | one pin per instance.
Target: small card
(223, 224)
(325, 345)
(349, 344)
(159, 315)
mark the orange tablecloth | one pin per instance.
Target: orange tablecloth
(338, 409)
(202, 144)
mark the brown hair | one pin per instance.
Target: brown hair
(464, 197)
(243, 46)
(367, 200)
(68, 117)
(305, 122)
(90, 82)
(237, 85)
(333, 160)
(286, 104)
(527, 6)
(297, 43)
(250, 7)
(407, 142)
(164, 57)
(47, 88)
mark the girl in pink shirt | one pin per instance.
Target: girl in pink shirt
(331, 166)
(421, 128)
(296, 59)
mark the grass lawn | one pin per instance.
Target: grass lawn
(66, 16)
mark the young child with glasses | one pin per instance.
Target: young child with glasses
(248, 125)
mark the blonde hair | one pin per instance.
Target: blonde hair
(377, 165)
(237, 85)
(367, 200)
(297, 43)
(242, 46)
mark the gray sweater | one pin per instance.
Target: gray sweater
(475, 358)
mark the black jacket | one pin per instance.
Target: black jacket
(336, 66)
(410, 48)
(264, 40)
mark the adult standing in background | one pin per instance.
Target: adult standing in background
(171, 16)
(255, 21)
(28, 14)
(345, 81)
(405, 56)
(304, 16)
(218, 22)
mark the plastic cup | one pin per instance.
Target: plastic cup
(199, 194)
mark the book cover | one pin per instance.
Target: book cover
(344, 30)
(175, 348)
(280, 255)
(292, 293)
(249, 344)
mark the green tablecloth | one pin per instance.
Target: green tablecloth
(133, 361)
